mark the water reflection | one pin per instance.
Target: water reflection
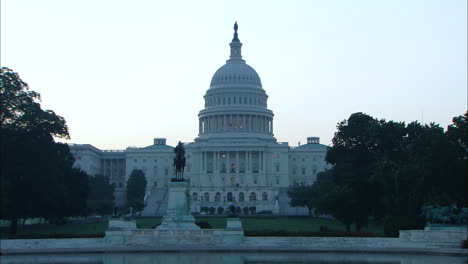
(234, 258)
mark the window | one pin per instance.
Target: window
(277, 167)
(303, 171)
(241, 197)
(265, 196)
(206, 197)
(195, 196)
(230, 198)
(294, 171)
(217, 197)
(253, 196)
(120, 185)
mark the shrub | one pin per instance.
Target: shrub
(324, 229)
(204, 225)
(394, 224)
(267, 212)
(464, 243)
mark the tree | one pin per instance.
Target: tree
(136, 188)
(353, 153)
(101, 197)
(36, 176)
(389, 169)
(20, 108)
(303, 195)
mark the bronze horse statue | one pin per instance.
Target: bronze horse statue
(179, 162)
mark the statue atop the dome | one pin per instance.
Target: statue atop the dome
(235, 27)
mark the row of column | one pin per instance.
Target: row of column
(236, 122)
(235, 101)
(232, 161)
(114, 168)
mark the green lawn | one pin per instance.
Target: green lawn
(287, 224)
(301, 224)
(59, 231)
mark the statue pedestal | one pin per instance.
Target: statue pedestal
(178, 215)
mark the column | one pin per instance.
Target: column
(237, 162)
(272, 126)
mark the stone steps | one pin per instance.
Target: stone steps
(156, 203)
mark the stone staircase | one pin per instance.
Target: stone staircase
(156, 203)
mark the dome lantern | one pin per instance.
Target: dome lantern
(236, 46)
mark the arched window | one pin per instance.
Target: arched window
(218, 197)
(253, 196)
(265, 196)
(120, 185)
(229, 197)
(241, 197)
(195, 196)
(207, 197)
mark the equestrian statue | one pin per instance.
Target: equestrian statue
(179, 163)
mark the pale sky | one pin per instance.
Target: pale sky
(124, 72)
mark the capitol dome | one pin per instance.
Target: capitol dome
(236, 103)
(237, 73)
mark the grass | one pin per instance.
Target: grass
(58, 231)
(280, 224)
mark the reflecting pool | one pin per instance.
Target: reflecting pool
(232, 258)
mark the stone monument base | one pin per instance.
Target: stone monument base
(178, 215)
(178, 226)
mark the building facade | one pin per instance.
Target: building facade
(235, 160)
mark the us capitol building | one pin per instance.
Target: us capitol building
(234, 160)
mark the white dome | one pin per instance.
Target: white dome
(236, 72)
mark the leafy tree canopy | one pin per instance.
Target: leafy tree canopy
(136, 189)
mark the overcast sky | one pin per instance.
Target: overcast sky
(124, 72)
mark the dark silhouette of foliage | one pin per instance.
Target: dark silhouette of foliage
(136, 189)
(389, 169)
(101, 197)
(36, 175)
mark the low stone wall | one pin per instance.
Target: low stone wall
(248, 244)
(62, 243)
(449, 237)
